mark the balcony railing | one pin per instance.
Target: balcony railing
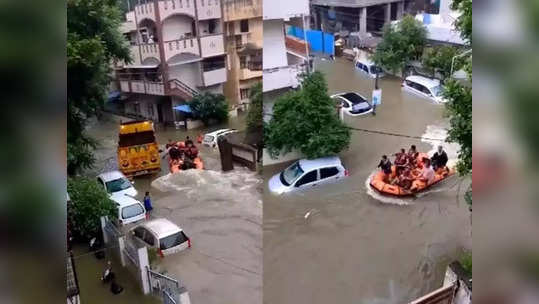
(214, 76)
(208, 9)
(171, 7)
(148, 50)
(248, 74)
(145, 11)
(179, 46)
(142, 87)
(212, 45)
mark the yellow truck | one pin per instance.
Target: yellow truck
(138, 152)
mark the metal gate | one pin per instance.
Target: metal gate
(168, 288)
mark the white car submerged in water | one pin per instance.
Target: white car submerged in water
(307, 173)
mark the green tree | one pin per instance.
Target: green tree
(438, 59)
(464, 22)
(93, 42)
(306, 120)
(208, 106)
(401, 43)
(89, 202)
(254, 116)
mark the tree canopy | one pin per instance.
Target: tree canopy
(307, 121)
(438, 59)
(401, 43)
(464, 22)
(254, 116)
(89, 202)
(207, 106)
(93, 43)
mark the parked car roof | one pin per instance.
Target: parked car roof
(352, 97)
(428, 82)
(162, 227)
(111, 175)
(310, 164)
(217, 132)
(124, 200)
(366, 61)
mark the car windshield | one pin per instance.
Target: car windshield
(353, 98)
(437, 90)
(132, 211)
(291, 173)
(208, 138)
(172, 240)
(118, 185)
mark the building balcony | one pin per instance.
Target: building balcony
(350, 3)
(212, 45)
(246, 74)
(238, 10)
(214, 76)
(175, 47)
(145, 11)
(170, 7)
(296, 46)
(149, 50)
(208, 9)
(282, 77)
(142, 87)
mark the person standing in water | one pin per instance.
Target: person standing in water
(148, 205)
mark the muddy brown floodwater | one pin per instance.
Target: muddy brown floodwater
(220, 212)
(356, 246)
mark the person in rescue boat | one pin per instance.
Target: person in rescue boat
(427, 174)
(385, 165)
(191, 151)
(412, 156)
(406, 179)
(439, 159)
(188, 141)
(401, 160)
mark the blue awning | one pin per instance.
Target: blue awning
(114, 95)
(184, 108)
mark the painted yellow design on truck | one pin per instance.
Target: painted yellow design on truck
(138, 152)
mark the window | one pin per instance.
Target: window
(244, 25)
(365, 69)
(150, 110)
(437, 90)
(100, 181)
(423, 89)
(238, 41)
(139, 232)
(173, 240)
(291, 173)
(244, 93)
(243, 62)
(149, 239)
(359, 65)
(118, 185)
(135, 139)
(132, 211)
(345, 104)
(307, 178)
(328, 172)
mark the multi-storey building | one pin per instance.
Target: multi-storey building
(243, 29)
(177, 50)
(357, 15)
(284, 57)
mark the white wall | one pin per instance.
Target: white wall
(274, 54)
(187, 73)
(176, 26)
(284, 9)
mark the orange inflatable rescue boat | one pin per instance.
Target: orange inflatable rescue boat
(380, 180)
(176, 165)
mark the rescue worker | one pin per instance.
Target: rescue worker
(401, 160)
(412, 156)
(385, 165)
(439, 159)
(188, 141)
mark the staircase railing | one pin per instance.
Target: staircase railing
(176, 83)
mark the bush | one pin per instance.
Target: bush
(207, 106)
(89, 202)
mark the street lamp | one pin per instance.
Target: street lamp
(453, 60)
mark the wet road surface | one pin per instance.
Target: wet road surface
(220, 212)
(344, 243)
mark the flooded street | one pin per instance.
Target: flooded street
(220, 212)
(344, 243)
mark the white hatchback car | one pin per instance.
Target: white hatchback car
(163, 235)
(353, 104)
(116, 183)
(130, 210)
(368, 67)
(307, 173)
(424, 87)
(210, 139)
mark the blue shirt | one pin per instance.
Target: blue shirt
(147, 203)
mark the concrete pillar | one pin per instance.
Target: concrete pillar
(387, 13)
(121, 246)
(103, 224)
(400, 10)
(144, 265)
(363, 21)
